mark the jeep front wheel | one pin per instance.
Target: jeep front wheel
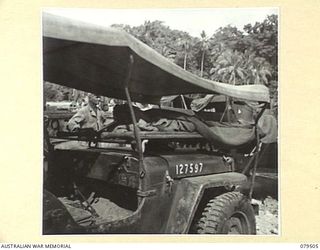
(229, 213)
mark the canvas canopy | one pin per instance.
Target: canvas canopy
(95, 59)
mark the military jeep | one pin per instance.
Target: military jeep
(161, 170)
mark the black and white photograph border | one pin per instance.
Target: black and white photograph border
(160, 121)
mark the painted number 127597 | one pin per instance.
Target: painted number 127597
(189, 168)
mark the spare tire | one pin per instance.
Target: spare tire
(229, 213)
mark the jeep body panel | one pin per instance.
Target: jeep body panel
(164, 211)
(188, 194)
(166, 200)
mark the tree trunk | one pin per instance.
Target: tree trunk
(185, 61)
(202, 62)
(228, 109)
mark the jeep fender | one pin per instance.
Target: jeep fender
(188, 194)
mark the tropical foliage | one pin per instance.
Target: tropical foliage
(230, 55)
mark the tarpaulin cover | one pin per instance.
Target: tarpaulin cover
(224, 134)
(95, 59)
(268, 128)
(237, 134)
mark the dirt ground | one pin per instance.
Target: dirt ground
(266, 196)
(267, 220)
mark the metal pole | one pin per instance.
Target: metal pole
(134, 120)
(183, 102)
(256, 159)
(254, 170)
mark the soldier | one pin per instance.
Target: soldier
(90, 116)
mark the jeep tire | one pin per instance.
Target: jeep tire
(229, 213)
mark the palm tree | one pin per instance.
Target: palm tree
(258, 69)
(229, 68)
(204, 47)
(185, 45)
